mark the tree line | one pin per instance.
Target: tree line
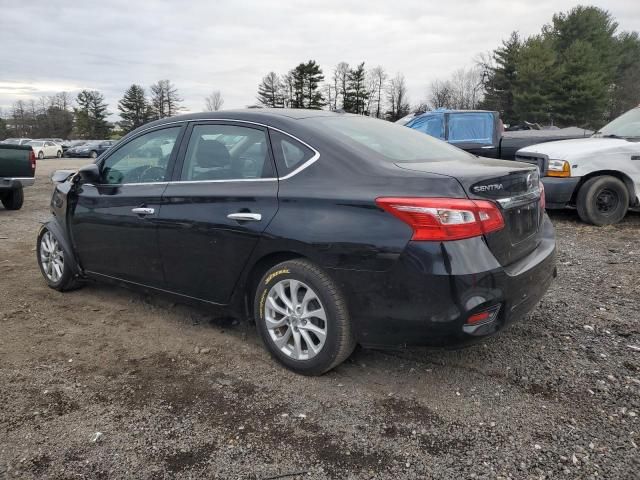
(350, 89)
(86, 115)
(579, 70)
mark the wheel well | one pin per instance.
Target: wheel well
(613, 173)
(258, 270)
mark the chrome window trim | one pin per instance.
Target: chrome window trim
(306, 164)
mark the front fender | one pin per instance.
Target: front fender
(54, 226)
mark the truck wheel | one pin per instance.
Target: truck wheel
(603, 200)
(54, 265)
(14, 199)
(302, 318)
(40, 155)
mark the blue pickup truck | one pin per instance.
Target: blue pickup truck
(481, 132)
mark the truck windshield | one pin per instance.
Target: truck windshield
(625, 126)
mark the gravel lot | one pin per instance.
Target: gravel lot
(555, 396)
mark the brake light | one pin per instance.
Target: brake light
(442, 219)
(543, 200)
(32, 159)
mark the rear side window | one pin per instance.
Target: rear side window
(471, 127)
(226, 152)
(289, 153)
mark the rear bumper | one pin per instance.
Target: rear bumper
(559, 191)
(428, 296)
(11, 183)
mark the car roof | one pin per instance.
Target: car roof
(260, 115)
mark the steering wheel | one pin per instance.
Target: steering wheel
(152, 174)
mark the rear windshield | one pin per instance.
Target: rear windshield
(35, 144)
(394, 143)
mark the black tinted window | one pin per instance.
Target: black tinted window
(290, 154)
(226, 152)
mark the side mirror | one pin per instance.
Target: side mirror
(89, 173)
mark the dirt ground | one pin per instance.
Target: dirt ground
(105, 383)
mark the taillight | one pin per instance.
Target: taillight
(32, 159)
(543, 200)
(443, 219)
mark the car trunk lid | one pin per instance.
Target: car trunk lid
(513, 186)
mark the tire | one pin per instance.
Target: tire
(602, 200)
(318, 293)
(93, 154)
(59, 274)
(59, 154)
(40, 155)
(13, 199)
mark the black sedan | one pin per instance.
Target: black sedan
(328, 229)
(90, 149)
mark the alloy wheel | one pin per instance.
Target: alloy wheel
(51, 257)
(296, 319)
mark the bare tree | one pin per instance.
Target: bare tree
(165, 101)
(214, 101)
(463, 90)
(340, 79)
(397, 98)
(377, 78)
(440, 94)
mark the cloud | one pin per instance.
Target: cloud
(231, 45)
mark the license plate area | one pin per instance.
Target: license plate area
(522, 221)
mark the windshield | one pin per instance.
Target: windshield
(626, 125)
(395, 143)
(12, 141)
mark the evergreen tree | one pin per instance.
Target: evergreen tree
(270, 91)
(586, 59)
(626, 91)
(134, 108)
(500, 79)
(356, 95)
(91, 115)
(533, 88)
(165, 100)
(305, 80)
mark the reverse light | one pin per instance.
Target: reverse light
(558, 168)
(442, 219)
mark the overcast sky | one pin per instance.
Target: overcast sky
(49, 46)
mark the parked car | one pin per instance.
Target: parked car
(71, 144)
(90, 149)
(16, 141)
(45, 148)
(332, 229)
(17, 170)
(481, 132)
(600, 175)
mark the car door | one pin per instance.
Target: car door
(114, 222)
(222, 198)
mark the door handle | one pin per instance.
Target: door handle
(245, 216)
(143, 211)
